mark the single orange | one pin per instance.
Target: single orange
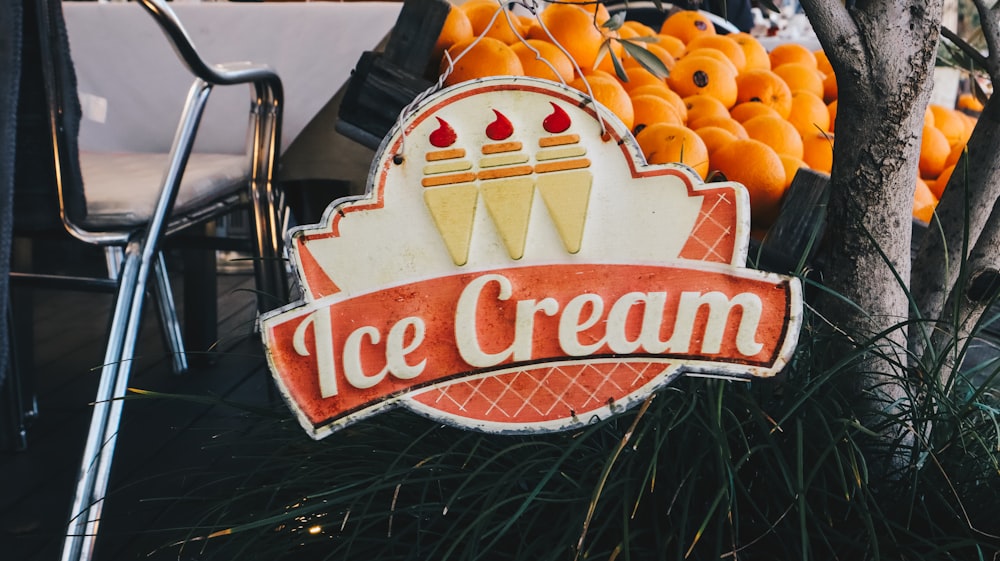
(749, 109)
(651, 109)
(693, 75)
(672, 44)
(609, 93)
(969, 102)
(573, 28)
(791, 53)
(798, 76)
(758, 167)
(777, 133)
(809, 114)
(687, 24)
(955, 155)
(949, 122)
(456, 28)
(669, 143)
(714, 139)
(766, 87)
(817, 151)
(481, 16)
(727, 123)
(638, 77)
(661, 90)
(725, 45)
(755, 53)
(934, 150)
(487, 57)
(701, 107)
(712, 53)
(542, 59)
(792, 166)
(924, 201)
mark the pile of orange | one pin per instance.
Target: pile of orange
(728, 107)
(946, 132)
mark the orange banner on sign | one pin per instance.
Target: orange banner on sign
(341, 356)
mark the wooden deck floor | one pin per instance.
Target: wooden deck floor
(166, 447)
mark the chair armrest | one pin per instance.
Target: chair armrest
(263, 143)
(230, 73)
(215, 74)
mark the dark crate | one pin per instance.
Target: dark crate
(383, 83)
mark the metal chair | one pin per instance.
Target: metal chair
(136, 201)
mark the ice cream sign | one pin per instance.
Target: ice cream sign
(517, 267)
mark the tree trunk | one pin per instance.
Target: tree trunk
(974, 291)
(883, 53)
(966, 208)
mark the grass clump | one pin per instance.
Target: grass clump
(705, 469)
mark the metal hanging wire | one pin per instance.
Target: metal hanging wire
(534, 8)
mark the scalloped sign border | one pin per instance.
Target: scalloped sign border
(517, 267)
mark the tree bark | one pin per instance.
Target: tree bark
(883, 54)
(973, 293)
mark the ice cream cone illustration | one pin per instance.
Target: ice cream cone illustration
(450, 192)
(507, 185)
(563, 179)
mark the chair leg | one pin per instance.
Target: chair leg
(269, 266)
(141, 254)
(95, 468)
(18, 391)
(113, 256)
(167, 312)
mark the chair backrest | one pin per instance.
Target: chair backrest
(51, 183)
(47, 159)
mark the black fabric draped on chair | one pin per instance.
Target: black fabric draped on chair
(11, 18)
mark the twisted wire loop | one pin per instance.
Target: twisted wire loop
(533, 7)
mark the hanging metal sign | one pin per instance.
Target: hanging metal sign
(517, 267)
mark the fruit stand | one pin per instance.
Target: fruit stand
(757, 108)
(685, 90)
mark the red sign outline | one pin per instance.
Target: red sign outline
(330, 350)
